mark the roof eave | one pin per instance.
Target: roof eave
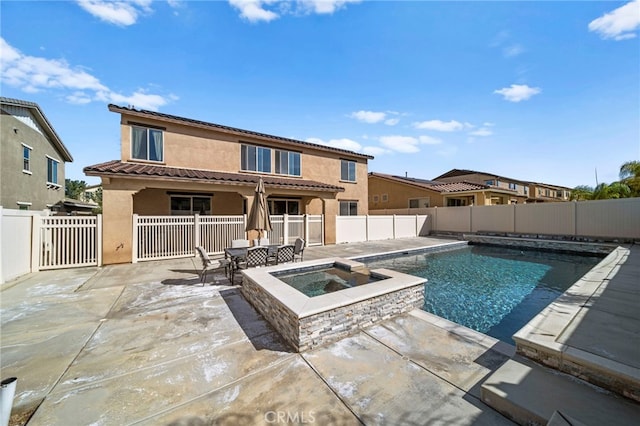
(235, 132)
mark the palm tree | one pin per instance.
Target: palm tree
(630, 175)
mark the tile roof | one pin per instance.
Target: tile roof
(174, 118)
(124, 169)
(458, 187)
(43, 121)
(434, 185)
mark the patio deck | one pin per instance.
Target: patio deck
(145, 343)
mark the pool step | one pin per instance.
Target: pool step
(531, 394)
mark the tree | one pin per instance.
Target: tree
(74, 188)
(630, 176)
(581, 193)
(606, 191)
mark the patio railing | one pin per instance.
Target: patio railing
(169, 237)
(69, 241)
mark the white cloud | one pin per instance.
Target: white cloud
(325, 6)
(481, 132)
(440, 126)
(512, 50)
(253, 10)
(375, 150)
(263, 10)
(407, 144)
(428, 140)
(392, 121)
(618, 24)
(34, 74)
(344, 143)
(518, 92)
(123, 12)
(368, 116)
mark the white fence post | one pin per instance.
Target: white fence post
(134, 240)
(366, 237)
(196, 231)
(99, 239)
(394, 226)
(36, 243)
(306, 228)
(285, 229)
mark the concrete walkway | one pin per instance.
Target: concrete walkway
(147, 344)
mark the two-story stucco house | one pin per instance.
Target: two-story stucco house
(172, 165)
(402, 192)
(32, 158)
(519, 191)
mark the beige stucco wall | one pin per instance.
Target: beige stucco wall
(206, 149)
(398, 194)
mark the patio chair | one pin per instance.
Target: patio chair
(298, 250)
(284, 254)
(261, 242)
(209, 264)
(239, 243)
(256, 256)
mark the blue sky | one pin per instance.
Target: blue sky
(540, 91)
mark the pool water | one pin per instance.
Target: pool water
(327, 280)
(493, 290)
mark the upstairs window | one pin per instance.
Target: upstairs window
(288, 163)
(489, 182)
(146, 144)
(26, 158)
(348, 170)
(52, 171)
(255, 159)
(513, 186)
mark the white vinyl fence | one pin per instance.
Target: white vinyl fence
(351, 229)
(169, 237)
(32, 240)
(70, 241)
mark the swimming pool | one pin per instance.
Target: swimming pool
(494, 290)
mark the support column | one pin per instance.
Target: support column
(117, 224)
(331, 210)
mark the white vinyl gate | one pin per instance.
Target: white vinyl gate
(69, 241)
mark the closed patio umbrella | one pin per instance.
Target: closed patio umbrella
(259, 219)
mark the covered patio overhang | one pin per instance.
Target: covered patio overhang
(148, 189)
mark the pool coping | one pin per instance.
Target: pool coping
(540, 339)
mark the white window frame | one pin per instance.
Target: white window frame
(148, 141)
(350, 204)
(385, 198)
(513, 186)
(423, 202)
(26, 160)
(260, 165)
(50, 182)
(288, 201)
(191, 211)
(350, 164)
(376, 198)
(290, 162)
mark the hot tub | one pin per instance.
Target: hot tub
(306, 322)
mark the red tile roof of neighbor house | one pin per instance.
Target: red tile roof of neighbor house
(124, 169)
(227, 129)
(433, 185)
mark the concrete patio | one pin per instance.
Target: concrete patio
(147, 344)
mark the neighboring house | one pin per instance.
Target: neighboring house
(32, 158)
(172, 165)
(397, 192)
(542, 192)
(523, 191)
